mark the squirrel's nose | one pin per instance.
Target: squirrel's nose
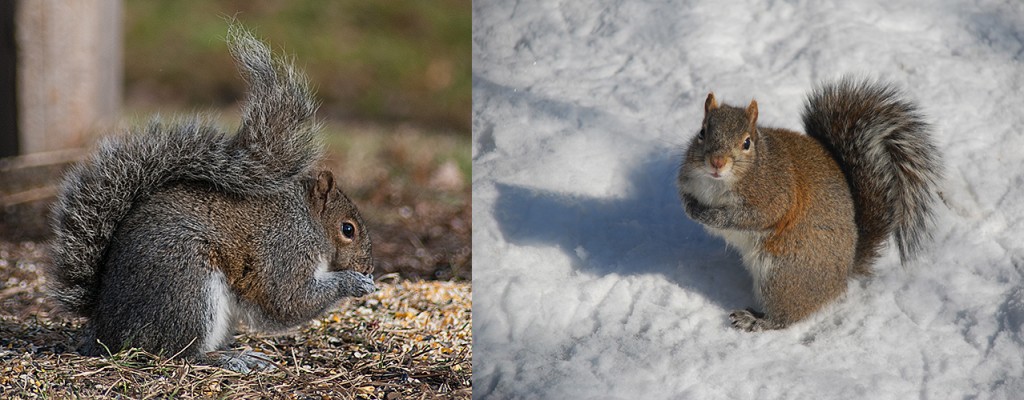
(718, 162)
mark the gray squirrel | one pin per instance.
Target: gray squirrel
(165, 239)
(806, 212)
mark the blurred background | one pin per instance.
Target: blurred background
(393, 80)
(382, 61)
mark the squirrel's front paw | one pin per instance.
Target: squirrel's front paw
(358, 284)
(707, 215)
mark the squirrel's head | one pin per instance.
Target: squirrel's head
(727, 142)
(341, 220)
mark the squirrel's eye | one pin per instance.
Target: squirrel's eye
(746, 143)
(348, 230)
(700, 136)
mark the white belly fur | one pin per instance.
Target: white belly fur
(220, 304)
(748, 244)
(718, 193)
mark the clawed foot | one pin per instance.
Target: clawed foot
(752, 321)
(243, 362)
(359, 284)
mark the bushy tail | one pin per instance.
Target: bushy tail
(886, 151)
(275, 144)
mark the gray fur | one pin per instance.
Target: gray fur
(885, 148)
(275, 144)
(808, 211)
(157, 220)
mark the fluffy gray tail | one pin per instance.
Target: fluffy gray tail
(884, 147)
(275, 144)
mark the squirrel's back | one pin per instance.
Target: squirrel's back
(275, 144)
(884, 147)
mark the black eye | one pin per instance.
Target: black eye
(746, 144)
(347, 230)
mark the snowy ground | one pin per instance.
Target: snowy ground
(589, 281)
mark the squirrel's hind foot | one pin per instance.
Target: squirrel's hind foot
(243, 362)
(752, 321)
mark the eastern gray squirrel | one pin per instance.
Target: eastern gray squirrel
(808, 211)
(165, 239)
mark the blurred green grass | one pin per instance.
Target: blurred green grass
(385, 62)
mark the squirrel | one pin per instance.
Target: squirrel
(166, 238)
(807, 212)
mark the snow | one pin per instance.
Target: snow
(589, 280)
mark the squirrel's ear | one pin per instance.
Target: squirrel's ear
(752, 113)
(320, 190)
(710, 103)
(324, 181)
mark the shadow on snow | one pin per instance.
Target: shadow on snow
(644, 231)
